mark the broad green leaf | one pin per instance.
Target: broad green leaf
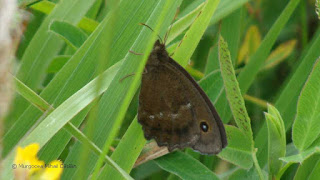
(192, 37)
(309, 169)
(57, 63)
(276, 140)
(239, 149)
(250, 44)
(233, 93)
(280, 54)
(62, 114)
(306, 125)
(43, 46)
(185, 166)
(72, 35)
(300, 157)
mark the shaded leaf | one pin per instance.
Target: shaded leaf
(72, 35)
(280, 54)
(239, 149)
(185, 166)
(57, 63)
(250, 44)
(299, 158)
(309, 169)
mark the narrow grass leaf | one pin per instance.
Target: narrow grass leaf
(306, 125)
(43, 46)
(287, 101)
(87, 24)
(111, 100)
(30, 95)
(225, 8)
(74, 75)
(132, 87)
(183, 23)
(72, 35)
(45, 6)
(126, 152)
(185, 166)
(280, 54)
(250, 44)
(57, 63)
(192, 37)
(63, 114)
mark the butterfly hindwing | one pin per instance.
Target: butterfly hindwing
(174, 110)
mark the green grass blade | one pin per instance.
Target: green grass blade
(149, 41)
(108, 111)
(257, 60)
(287, 101)
(63, 114)
(42, 47)
(74, 75)
(57, 63)
(31, 96)
(225, 8)
(192, 37)
(134, 140)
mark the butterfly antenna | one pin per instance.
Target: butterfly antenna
(161, 41)
(168, 32)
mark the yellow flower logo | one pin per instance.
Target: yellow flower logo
(30, 167)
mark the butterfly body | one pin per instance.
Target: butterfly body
(174, 110)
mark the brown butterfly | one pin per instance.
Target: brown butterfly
(174, 110)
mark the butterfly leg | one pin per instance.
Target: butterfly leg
(135, 53)
(132, 74)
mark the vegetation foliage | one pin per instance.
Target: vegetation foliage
(75, 98)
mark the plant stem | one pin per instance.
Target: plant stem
(256, 164)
